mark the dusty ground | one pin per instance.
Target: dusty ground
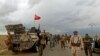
(3, 46)
(2, 43)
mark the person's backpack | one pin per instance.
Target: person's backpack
(76, 44)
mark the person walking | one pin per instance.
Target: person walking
(51, 41)
(87, 45)
(66, 39)
(63, 39)
(76, 44)
(41, 42)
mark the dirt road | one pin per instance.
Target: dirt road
(56, 51)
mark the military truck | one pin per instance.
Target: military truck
(22, 40)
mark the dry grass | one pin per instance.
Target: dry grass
(2, 42)
(3, 45)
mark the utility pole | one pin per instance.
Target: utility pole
(92, 28)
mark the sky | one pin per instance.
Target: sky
(57, 16)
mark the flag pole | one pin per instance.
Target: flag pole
(34, 22)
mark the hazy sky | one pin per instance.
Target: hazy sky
(57, 16)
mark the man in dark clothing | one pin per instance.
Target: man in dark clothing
(41, 42)
(87, 45)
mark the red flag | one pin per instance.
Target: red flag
(37, 17)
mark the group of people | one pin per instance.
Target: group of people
(53, 40)
(77, 43)
(64, 39)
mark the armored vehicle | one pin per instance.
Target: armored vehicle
(22, 40)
